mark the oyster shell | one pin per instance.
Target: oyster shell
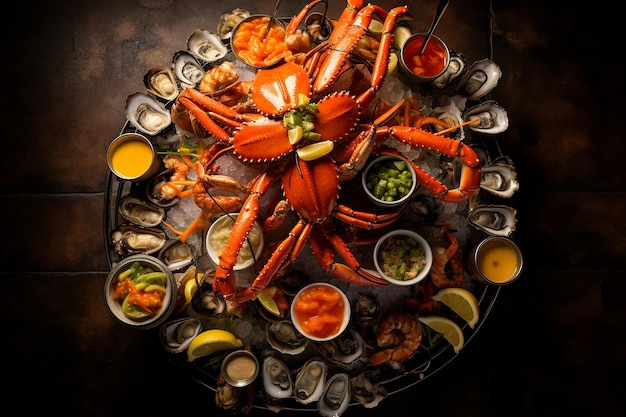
(160, 81)
(493, 118)
(500, 179)
(496, 220)
(318, 27)
(187, 69)
(176, 255)
(366, 310)
(452, 116)
(345, 349)
(481, 77)
(336, 396)
(176, 335)
(140, 213)
(458, 64)
(234, 399)
(365, 392)
(277, 382)
(293, 281)
(285, 338)
(130, 239)
(310, 381)
(147, 114)
(206, 46)
(228, 21)
(207, 303)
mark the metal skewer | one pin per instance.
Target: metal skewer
(441, 8)
(272, 18)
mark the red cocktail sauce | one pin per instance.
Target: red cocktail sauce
(320, 311)
(432, 62)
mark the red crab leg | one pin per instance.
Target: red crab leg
(287, 250)
(470, 173)
(337, 54)
(381, 64)
(364, 220)
(296, 20)
(224, 279)
(352, 273)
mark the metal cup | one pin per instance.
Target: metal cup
(435, 46)
(495, 261)
(132, 157)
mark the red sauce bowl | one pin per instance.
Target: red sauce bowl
(428, 66)
(320, 311)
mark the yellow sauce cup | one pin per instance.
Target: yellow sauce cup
(495, 261)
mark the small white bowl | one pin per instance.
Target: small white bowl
(298, 317)
(218, 225)
(410, 234)
(385, 159)
(114, 307)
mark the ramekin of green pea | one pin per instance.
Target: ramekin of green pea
(389, 180)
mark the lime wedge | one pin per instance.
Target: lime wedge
(295, 134)
(268, 303)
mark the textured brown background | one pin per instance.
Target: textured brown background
(555, 341)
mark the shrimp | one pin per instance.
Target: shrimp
(218, 77)
(400, 334)
(170, 189)
(447, 268)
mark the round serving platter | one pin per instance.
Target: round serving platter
(427, 360)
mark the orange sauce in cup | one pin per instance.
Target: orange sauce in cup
(319, 311)
(131, 158)
(497, 261)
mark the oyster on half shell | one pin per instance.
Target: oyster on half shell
(147, 114)
(455, 69)
(366, 392)
(481, 77)
(206, 45)
(310, 381)
(496, 220)
(285, 338)
(492, 118)
(277, 382)
(187, 69)
(336, 396)
(140, 213)
(177, 335)
(499, 178)
(130, 239)
(160, 81)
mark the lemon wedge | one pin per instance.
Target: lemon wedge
(211, 341)
(400, 35)
(376, 28)
(448, 329)
(315, 150)
(392, 67)
(462, 302)
(268, 303)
